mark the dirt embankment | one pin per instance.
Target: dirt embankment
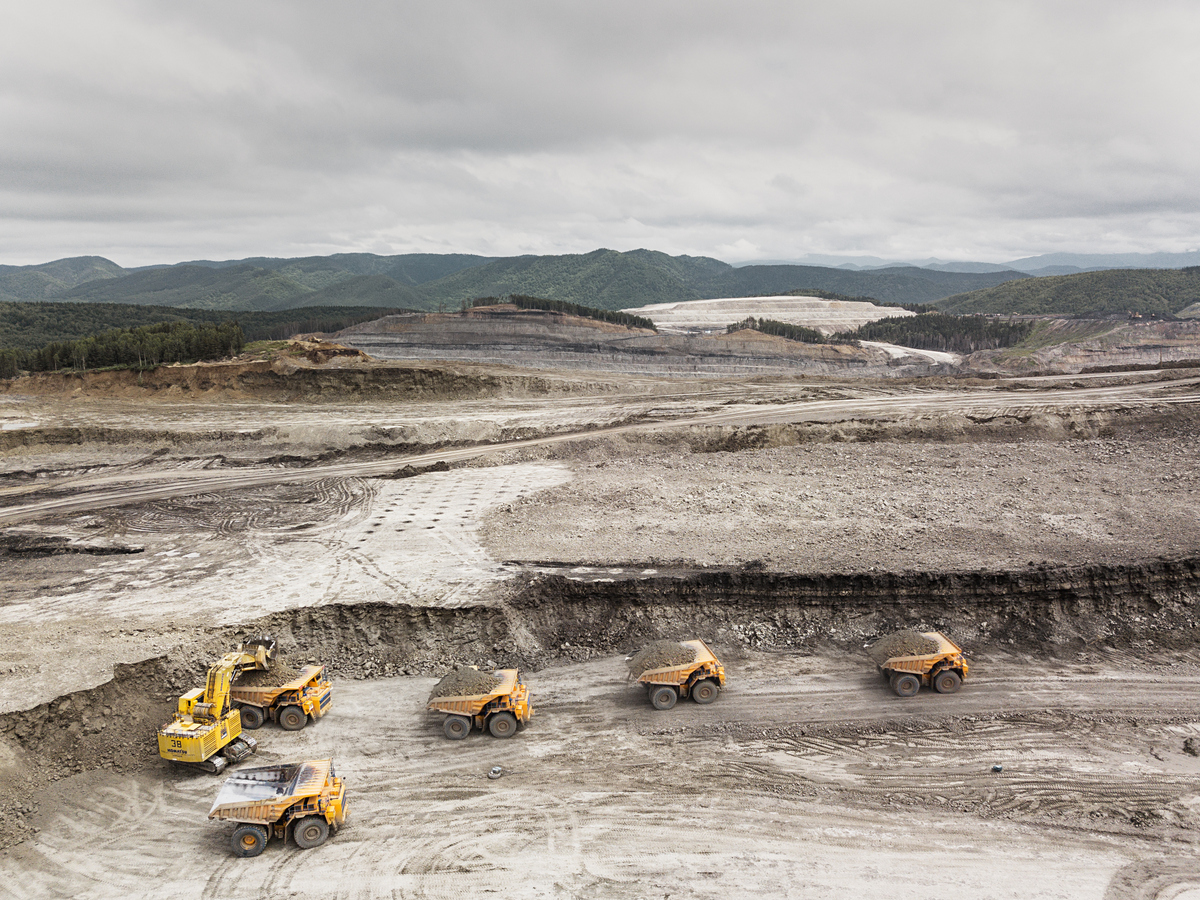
(298, 379)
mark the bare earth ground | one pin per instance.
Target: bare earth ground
(186, 521)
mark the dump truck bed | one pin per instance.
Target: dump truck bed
(265, 696)
(679, 674)
(921, 664)
(262, 795)
(472, 704)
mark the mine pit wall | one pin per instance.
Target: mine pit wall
(1152, 609)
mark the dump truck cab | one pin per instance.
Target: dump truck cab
(944, 669)
(499, 711)
(702, 679)
(305, 799)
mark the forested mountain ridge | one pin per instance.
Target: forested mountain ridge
(1164, 292)
(606, 279)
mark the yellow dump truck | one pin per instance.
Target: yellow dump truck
(206, 730)
(701, 679)
(943, 669)
(307, 797)
(499, 710)
(290, 704)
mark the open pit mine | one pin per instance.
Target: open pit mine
(523, 492)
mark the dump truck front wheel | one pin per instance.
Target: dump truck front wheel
(252, 717)
(249, 840)
(906, 685)
(663, 696)
(292, 718)
(456, 727)
(502, 724)
(704, 691)
(947, 681)
(310, 832)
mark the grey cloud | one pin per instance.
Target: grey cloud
(169, 131)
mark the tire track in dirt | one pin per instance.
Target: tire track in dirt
(933, 403)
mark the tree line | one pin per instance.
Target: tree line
(143, 347)
(779, 329)
(925, 331)
(522, 301)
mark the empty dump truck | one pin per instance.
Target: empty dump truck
(306, 797)
(910, 659)
(497, 701)
(674, 669)
(291, 703)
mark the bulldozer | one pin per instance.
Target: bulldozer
(206, 730)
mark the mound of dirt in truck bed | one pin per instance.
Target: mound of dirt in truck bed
(901, 643)
(465, 682)
(660, 654)
(281, 672)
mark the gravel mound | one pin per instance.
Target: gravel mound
(281, 672)
(465, 681)
(901, 643)
(659, 654)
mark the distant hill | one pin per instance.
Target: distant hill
(1144, 291)
(53, 278)
(196, 287)
(29, 325)
(318, 272)
(609, 279)
(367, 290)
(606, 279)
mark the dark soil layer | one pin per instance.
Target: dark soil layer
(659, 654)
(902, 643)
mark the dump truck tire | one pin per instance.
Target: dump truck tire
(252, 717)
(663, 696)
(249, 840)
(705, 691)
(456, 727)
(947, 681)
(292, 718)
(502, 724)
(906, 685)
(310, 832)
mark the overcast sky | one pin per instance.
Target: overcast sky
(157, 132)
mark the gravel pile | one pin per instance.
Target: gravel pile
(660, 654)
(465, 681)
(901, 643)
(281, 672)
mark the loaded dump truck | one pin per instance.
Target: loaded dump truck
(674, 669)
(206, 730)
(307, 797)
(291, 703)
(912, 659)
(495, 701)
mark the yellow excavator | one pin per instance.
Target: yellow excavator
(206, 730)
